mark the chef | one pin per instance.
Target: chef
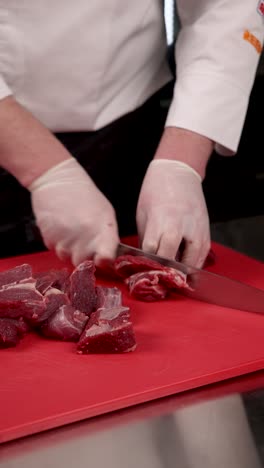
(79, 119)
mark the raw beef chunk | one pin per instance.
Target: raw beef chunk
(108, 297)
(54, 278)
(53, 300)
(106, 339)
(21, 300)
(146, 286)
(155, 285)
(127, 265)
(9, 334)
(15, 274)
(81, 288)
(29, 310)
(65, 324)
(108, 331)
(11, 331)
(20, 292)
(22, 326)
(113, 315)
(59, 305)
(148, 280)
(109, 328)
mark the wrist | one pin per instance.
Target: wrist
(65, 171)
(185, 146)
(27, 148)
(176, 163)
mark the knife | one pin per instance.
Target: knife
(206, 286)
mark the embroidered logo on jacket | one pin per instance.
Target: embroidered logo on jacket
(260, 8)
(253, 40)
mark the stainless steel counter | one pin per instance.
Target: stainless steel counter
(219, 426)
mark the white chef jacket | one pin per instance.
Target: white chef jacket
(78, 65)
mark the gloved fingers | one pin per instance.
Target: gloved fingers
(106, 245)
(141, 220)
(80, 253)
(56, 239)
(151, 237)
(44, 227)
(169, 243)
(106, 253)
(62, 254)
(104, 261)
(196, 250)
(161, 237)
(101, 250)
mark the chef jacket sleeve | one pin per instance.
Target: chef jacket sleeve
(217, 52)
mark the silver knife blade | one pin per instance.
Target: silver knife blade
(207, 286)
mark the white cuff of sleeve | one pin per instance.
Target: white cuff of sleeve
(211, 106)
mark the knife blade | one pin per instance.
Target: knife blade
(207, 286)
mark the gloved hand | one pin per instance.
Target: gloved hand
(172, 208)
(73, 216)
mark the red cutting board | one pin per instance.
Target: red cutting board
(182, 344)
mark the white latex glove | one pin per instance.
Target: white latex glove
(74, 217)
(171, 208)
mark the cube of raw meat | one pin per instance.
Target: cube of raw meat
(156, 285)
(22, 326)
(29, 310)
(65, 324)
(108, 297)
(108, 331)
(53, 300)
(20, 292)
(113, 315)
(11, 332)
(58, 305)
(81, 288)
(148, 280)
(105, 339)
(54, 278)
(127, 265)
(21, 300)
(146, 286)
(16, 274)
